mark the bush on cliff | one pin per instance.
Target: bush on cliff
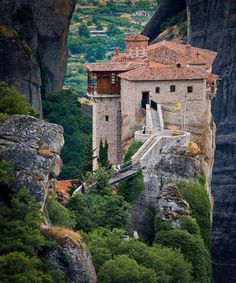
(12, 102)
(193, 249)
(122, 269)
(59, 215)
(196, 195)
(132, 188)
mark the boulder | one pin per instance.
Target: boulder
(71, 256)
(33, 147)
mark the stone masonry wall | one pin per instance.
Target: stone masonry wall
(103, 129)
(196, 103)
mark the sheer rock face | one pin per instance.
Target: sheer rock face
(212, 25)
(34, 59)
(32, 146)
(166, 9)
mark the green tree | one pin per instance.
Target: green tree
(103, 154)
(21, 241)
(59, 215)
(112, 30)
(94, 210)
(84, 31)
(122, 269)
(131, 189)
(63, 108)
(193, 249)
(12, 102)
(196, 195)
(133, 148)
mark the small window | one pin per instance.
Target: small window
(113, 78)
(190, 89)
(157, 89)
(106, 118)
(172, 88)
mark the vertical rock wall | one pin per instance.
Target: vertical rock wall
(33, 45)
(212, 25)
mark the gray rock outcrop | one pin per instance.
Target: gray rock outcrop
(71, 256)
(33, 147)
(33, 45)
(172, 163)
(172, 207)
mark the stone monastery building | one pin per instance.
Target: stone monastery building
(143, 86)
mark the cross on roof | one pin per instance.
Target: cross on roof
(198, 54)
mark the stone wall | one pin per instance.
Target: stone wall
(103, 129)
(198, 106)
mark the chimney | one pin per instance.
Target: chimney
(188, 50)
(178, 65)
(117, 50)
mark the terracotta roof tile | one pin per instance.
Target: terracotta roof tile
(111, 66)
(171, 52)
(136, 37)
(152, 72)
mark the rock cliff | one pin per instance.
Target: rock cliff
(172, 162)
(33, 45)
(212, 25)
(33, 147)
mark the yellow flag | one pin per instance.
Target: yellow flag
(177, 106)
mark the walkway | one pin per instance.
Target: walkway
(155, 121)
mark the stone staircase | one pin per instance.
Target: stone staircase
(155, 121)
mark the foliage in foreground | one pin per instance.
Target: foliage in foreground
(12, 102)
(21, 242)
(193, 249)
(166, 264)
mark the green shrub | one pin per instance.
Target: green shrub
(193, 249)
(131, 189)
(168, 264)
(196, 195)
(122, 269)
(12, 102)
(133, 148)
(190, 224)
(59, 215)
(95, 210)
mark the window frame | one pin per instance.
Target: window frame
(189, 87)
(172, 88)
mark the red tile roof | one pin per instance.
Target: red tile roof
(153, 71)
(168, 52)
(111, 66)
(136, 37)
(64, 185)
